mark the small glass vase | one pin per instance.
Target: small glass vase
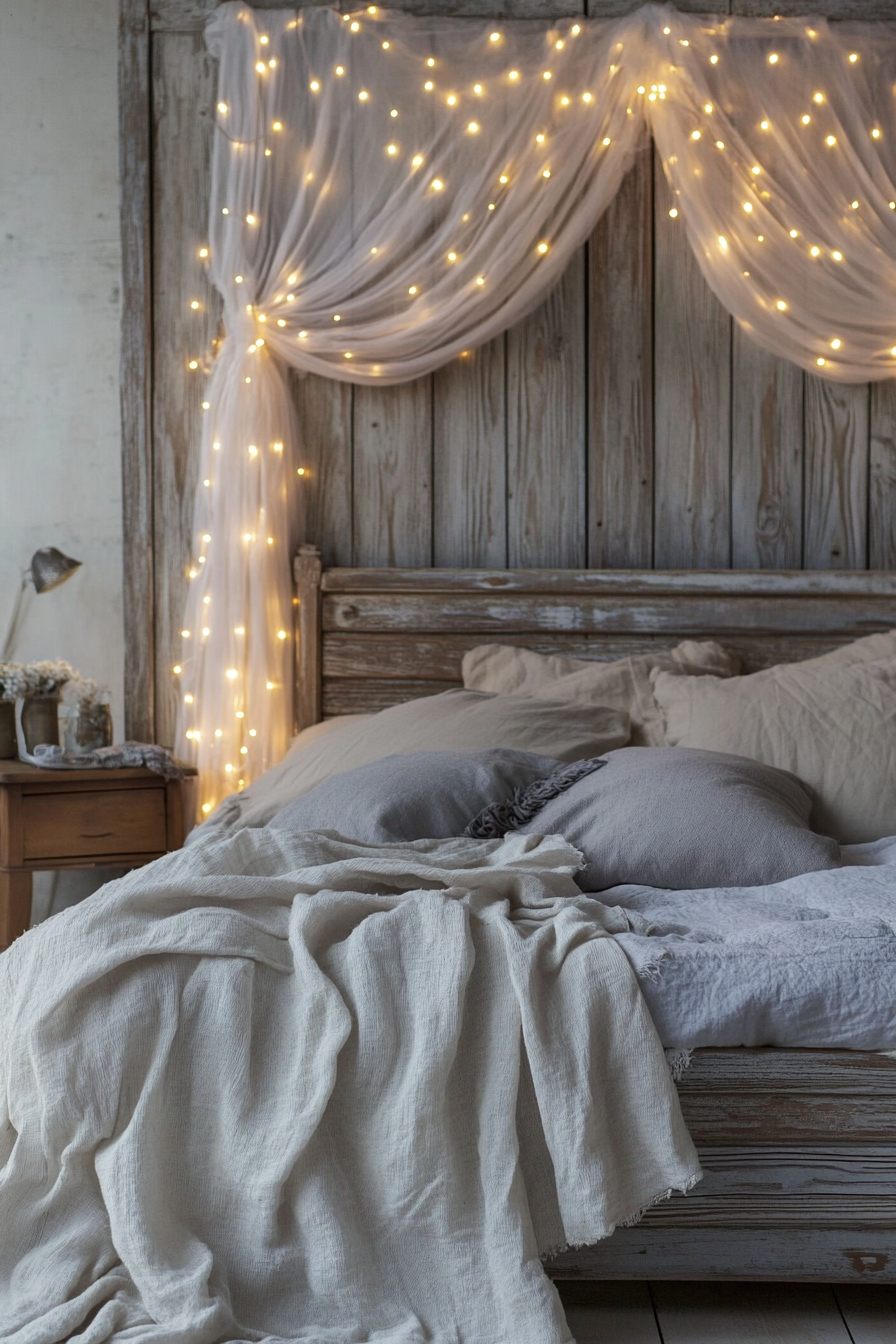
(40, 721)
(85, 728)
(8, 745)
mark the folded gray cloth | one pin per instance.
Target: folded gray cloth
(124, 754)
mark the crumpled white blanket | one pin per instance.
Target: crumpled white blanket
(284, 1088)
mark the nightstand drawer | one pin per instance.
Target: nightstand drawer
(77, 825)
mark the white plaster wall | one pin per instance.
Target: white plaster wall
(59, 341)
(59, 327)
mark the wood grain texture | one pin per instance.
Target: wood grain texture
(83, 824)
(722, 1118)
(857, 1072)
(392, 509)
(869, 1313)
(882, 484)
(620, 375)
(703, 1313)
(866, 10)
(671, 583)
(836, 488)
(135, 168)
(546, 428)
(469, 459)
(324, 417)
(523, 612)
(834, 1255)
(183, 102)
(306, 571)
(438, 657)
(609, 1313)
(191, 15)
(766, 458)
(692, 349)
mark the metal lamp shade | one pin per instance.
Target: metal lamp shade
(50, 567)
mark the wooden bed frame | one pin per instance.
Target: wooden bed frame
(798, 1146)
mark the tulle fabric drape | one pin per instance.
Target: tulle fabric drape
(388, 192)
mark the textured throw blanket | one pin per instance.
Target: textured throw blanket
(282, 1088)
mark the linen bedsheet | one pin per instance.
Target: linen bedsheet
(281, 1088)
(808, 962)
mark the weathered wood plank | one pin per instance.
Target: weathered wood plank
(369, 697)
(438, 657)
(776, 1070)
(836, 489)
(674, 583)
(882, 502)
(183, 101)
(306, 572)
(135, 143)
(546, 428)
(704, 1313)
(191, 15)
(866, 10)
(685, 616)
(692, 397)
(186, 15)
(469, 464)
(392, 496)
(846, 1210)
(844, 1169)
(724, 1118)
(869, 1312)
(609, 1313)
(324, 416)
(784, 1254)
(620, 375)
(766, 458)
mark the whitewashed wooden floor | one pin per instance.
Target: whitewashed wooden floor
(730, 1313)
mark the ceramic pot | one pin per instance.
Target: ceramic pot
(8, 748)
(40, 722)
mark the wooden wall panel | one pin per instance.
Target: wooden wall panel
(692, 400)
(135, 166)
(620, 387)
(622, 424)
(393, 474)
(882, 482)
(470, 459)
(324, 418)
(835, 507)
(766, 458)
(183, 83)
(546, 429)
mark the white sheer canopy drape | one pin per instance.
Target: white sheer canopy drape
(388, 192)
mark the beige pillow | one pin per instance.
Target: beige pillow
(831, 723)
(623, 684)
(454, 721)
(871, 649)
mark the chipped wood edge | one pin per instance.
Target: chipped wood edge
(135, 162)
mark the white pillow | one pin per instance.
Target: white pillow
(829, 721)
(623, 684)
(453, 721)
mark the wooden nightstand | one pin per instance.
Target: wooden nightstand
(78, 819)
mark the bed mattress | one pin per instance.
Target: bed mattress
(810, 962)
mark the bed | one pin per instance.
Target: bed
(798, 1146)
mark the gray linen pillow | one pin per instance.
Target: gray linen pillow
(682, 819)
(424, 795)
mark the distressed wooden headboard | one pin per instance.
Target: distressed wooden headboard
(370, 638)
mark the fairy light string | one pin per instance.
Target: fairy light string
(388, 193)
